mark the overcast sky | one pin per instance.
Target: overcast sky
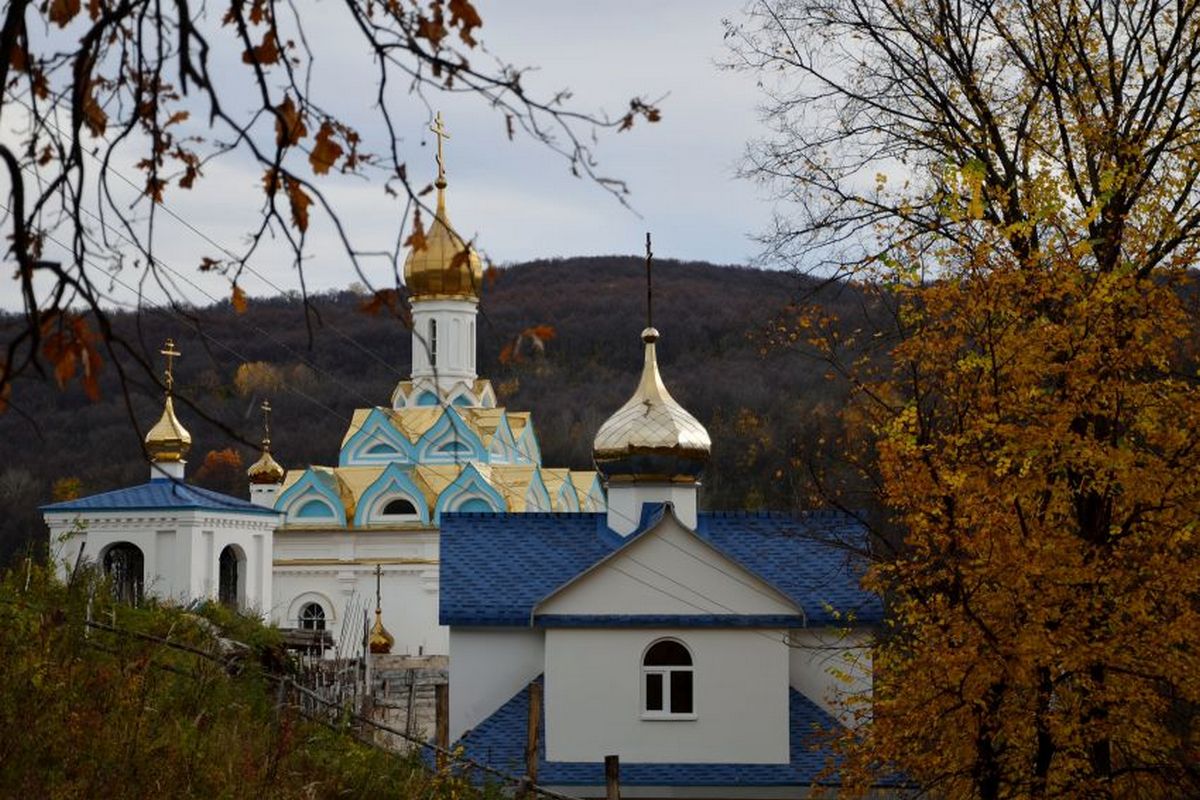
(518, 198)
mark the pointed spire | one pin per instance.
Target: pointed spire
(439, 130)
(266, 470)
(652, 437)
(380, 641)
(444, 266)
(168, 440)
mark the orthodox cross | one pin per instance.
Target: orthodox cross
(378, 576)
(266, 409)
(649, 285)
(439, 129)
(171, 353)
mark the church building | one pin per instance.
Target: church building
(704, 650)
(701, 648)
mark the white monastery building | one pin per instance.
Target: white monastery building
(701, 648)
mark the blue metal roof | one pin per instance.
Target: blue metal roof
(499, 742)
(160, 493)
(496, 567)
(668, 620)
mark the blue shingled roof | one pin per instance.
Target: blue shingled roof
(160, 493)
(496, 567)
(499, 742)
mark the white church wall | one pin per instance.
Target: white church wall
(697, 580)
(454, 319)
(179, 549)
(339, 566)
(593, 697)
(487, 667)
(833, 669)
(625, 501)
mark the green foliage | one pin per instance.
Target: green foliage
(89, 713)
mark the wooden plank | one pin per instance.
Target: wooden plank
(441, 695)
(531, 733)
(612, 777)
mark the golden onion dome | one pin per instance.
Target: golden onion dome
(380, 641)
(168, 440)
(651, 437)
(447, 267)
(439, 270)
(266, 470)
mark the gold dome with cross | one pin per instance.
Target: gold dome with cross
(447, 267)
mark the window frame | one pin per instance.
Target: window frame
(323, 619)
(666, 671)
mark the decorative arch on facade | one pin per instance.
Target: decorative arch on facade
(312, 500)
(232, 568)
(394, 483)
(125, 565)
(470, 491)
(450, 441)
(377, 441)
(301, 600)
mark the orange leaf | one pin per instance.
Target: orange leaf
(383, 298)
(289, 123)
(264, 53)
(416, 239)
(464, 15)
(326, 152)
(300, 201)
(93, 115)
(238, 300)
(63, 11)
(460, 259)
(177, 117)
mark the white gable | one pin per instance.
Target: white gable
(667, 570)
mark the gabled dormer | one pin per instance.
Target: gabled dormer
(314, 499)
(393, 499)
(470, 491)
(450, 441)
(373, 439)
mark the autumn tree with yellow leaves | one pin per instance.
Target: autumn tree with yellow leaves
(1017, 184)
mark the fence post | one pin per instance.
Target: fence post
(531, 734)
(441, 696)
(612, 777)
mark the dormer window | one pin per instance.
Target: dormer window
(667, 688)
(399, 507)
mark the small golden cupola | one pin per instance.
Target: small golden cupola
(168, 441)
(380, 641)
(266, 470)
(652, 438)
(440, 270)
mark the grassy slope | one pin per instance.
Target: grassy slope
(92, 714)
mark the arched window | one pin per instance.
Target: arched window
(229, 577)
(400, 507)
(312, 617)
(667, 681)
(125, 567)
(433, 342)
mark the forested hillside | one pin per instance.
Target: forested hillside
(761, 404)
